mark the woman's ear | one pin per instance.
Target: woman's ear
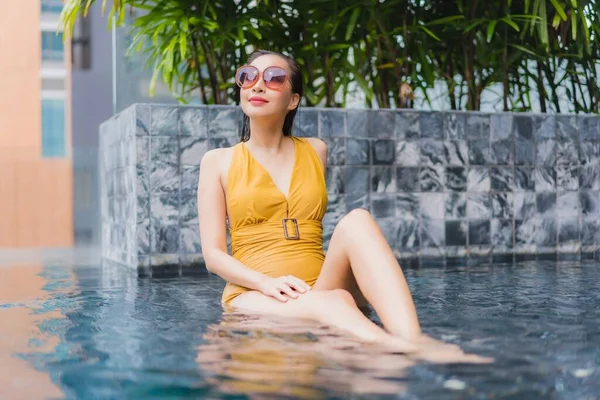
(294, 101)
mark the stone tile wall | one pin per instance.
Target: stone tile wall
(448, 187)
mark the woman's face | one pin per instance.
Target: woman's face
(261, 101)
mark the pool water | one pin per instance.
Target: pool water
(85, 331)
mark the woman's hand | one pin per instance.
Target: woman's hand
(283, 288)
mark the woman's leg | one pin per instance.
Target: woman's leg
(335, 308)
(359, 256)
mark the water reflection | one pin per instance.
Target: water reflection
(25, 319)
(262, 356)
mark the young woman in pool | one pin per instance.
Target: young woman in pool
(270, 188)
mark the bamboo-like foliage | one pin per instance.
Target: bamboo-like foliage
(534, 51)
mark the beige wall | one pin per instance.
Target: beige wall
(35, 193)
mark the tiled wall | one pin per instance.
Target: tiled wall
(448, 186)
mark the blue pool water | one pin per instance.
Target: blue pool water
(91, 332)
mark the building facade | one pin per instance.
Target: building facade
(36, 177)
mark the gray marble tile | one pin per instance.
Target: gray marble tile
(221, 143)
(432, 125)
(546, 152)
(158, 262)
(336, 209)
(546, 204)
(408, 237)
(478, 126)
(407, 206)
(502, 152)
(479, 231)
(432, 205)
(525, 205)
(142, 120)
(389, 229)
(501, 233)
(383, 180)
(502, 205)
(455, 124)
(524, 151)
(383, 205)
(567, 204)
(142, 210)
(357, 151)
(164, 149)
(587, 127)
(545, 178)
(456, 152)
(501, 127)
(478, 179)
(523, 125)
(143, 239)
(384, 151)
(433, 233)
(142, 181)
(546, 232)
(407, 125)
(164, 239)
(525, 234)
(568, 231)
(524, 178)
(431, 179)
(456, 179)
(164, 209)
(478, 205)
(164, 120)
(566, 128)
(544, 126)
(502, 178)
(589, 153)
(188, 210)
(189, 178)
(334, 177)
(589, 177)
(226, 122)
(407, 179)
(382, 124)
(407, 153)
(432, 152)
(193, 121)
(455, 205)
(590, 231)
(480, 152)
(567, 153)
(333, 123)
(456, 232)
(358, 200)
(589, 202)
(164, 178)
(190, 239)
(567, 177)
(357, 123)
(192, 150)
(356, 180)
(336, 151)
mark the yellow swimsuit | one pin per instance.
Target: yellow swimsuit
(257, 211)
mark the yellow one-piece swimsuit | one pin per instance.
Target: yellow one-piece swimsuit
(270, 233)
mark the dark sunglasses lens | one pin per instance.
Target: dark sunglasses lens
(275, 77)
(246, 76)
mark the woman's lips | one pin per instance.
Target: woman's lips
(257, 100)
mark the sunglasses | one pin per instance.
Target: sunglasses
(273, 77)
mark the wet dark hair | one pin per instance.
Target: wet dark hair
(297, 87)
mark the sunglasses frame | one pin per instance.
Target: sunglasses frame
(259, 76)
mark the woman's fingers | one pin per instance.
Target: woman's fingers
(277, 294)
(298, 283)
(285, 288)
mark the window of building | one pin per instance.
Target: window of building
(52, 6)
(53, 128)
(52, 46)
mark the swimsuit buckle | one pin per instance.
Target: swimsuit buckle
(296, 236)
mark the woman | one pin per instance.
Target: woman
(270, 188)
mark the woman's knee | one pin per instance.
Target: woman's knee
(353, 219)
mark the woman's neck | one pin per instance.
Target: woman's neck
(267, 135)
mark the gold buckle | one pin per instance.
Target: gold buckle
(285, 231)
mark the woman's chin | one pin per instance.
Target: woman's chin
(260, 112)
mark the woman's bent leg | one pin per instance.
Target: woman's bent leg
(336, 308)
(359, 253)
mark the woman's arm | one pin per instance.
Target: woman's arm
(211, 216)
